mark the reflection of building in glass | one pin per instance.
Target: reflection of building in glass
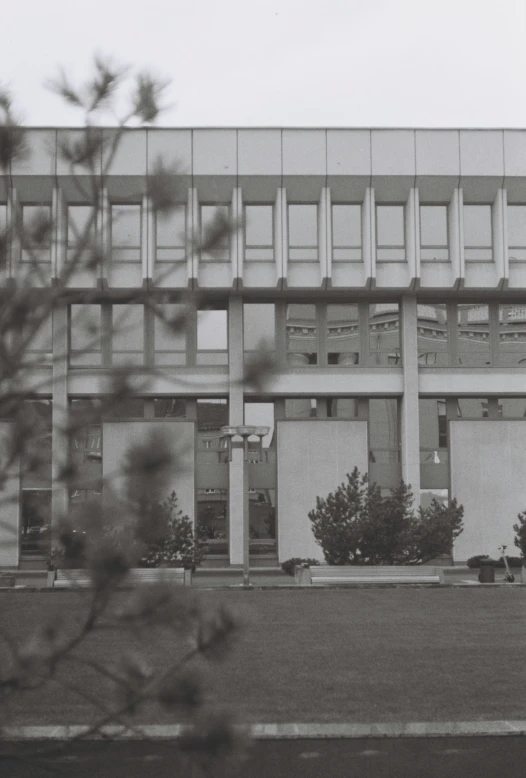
(393, 306)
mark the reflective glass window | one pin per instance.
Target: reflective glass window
(434, 452)
(512, 407)
(300, 408)
(126, 226)
(384, 432)
(477, 232)
(342, 408)
(169, 408)
(128, 334)
(259, 328)
(432, 335)
(302, 335)
(85, 335)
(37, 233)
(213, 219)
(472, 408)
(473, 335)
(346, 233)
(517, 232)
(343, 337)
(212, 337)
(303, 232)
(171, 235)
(390, 233)
(81, 225)
(434, 232)
(259, 232)
(512, 335)
(170, 334)
(384, 335)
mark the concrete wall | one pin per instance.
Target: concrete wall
(118, 436)
(487, 477)
(9, 506)
(313, 457)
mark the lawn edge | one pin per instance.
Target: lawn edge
(278, 731)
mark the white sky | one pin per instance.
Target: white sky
(423, 63)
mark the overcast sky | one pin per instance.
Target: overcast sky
(385, 63)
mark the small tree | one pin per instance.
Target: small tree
(179, 546)
(357, 525)
(337, 520)
(520, 529)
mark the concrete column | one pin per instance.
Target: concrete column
(236, 474)
(456, 235)
(325, 235)
(412, 229)
(15, 244)
(500, 238)
(282, 239)
(151, 225)
(193, 224)
(60, 229)
(409, 430)
(105, 235)
(369, 235)
(144, 239)
(59, 441)
(237, 238)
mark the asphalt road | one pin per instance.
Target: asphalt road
(483, 757)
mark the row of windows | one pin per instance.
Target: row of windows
(297, 334)
(303, 231)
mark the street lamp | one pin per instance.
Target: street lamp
(245, 431)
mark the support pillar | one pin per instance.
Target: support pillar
(409, 430)
(236, 472)
(59, 440)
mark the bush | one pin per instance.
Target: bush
(520, 529)
(177, 547)
(356, 525)
(289, 564)
(513, 561)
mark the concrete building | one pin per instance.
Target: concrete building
(384, 269)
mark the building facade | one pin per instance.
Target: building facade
(384, 270)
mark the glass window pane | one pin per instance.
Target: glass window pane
(473, 335)
(384, 335)
(302, 337)
(472, 408)
(130, 408)
(259, 324)
(35, 525)
(169, 408)
(35, 471)
(79, 229)
(512, 335)
(343, 337)
(383, 431)
(209, 216)
(346, 226)
(259, 226)
(434, 453)
(300, 408)
(128, 334)
(126, 226)
(390, 226)
(477, 226)
(3, 216)
(85, 334)
(261, 415)
(342, 408)
(433, 227)
(212, 337)
(171, 229)
(432, 335)
(167, 338)
(517, 231)
(303, 226)
(512, 407)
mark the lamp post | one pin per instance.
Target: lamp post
(244, 431)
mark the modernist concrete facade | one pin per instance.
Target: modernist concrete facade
(384, 269)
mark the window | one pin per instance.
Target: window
(37, 231)
(35, 471)
(517, 232)
(303, 232)
(169, 408)
(170, 339)
(347, 233)
(170, 236)
(302, 335)
(477, 233)
(384, 335)
(434, 232)
(85, 335)
(512, 335)
(128, 334)
(213, 219)
(390, 233)
(512, 407)
(81, 225)
(259, 232)
(212, 337)
(343, 338)
(432, 335)
(433, 443)
(259, 325)
(126, 232)
(384, 432)
(473, 335)
(472, 408)
(300, 408)
(342, 408)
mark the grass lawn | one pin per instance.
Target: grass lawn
(360, 655)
